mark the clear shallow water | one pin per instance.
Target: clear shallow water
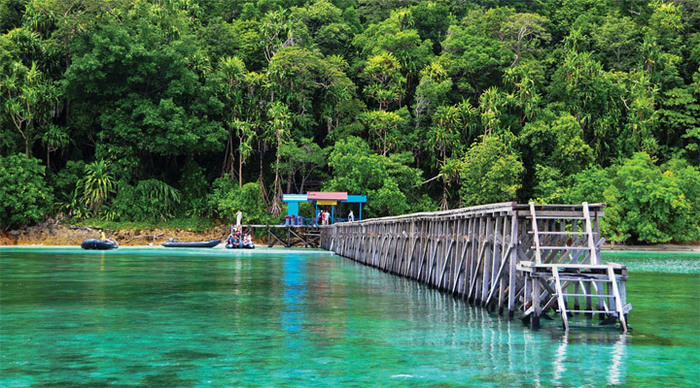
(156, 317)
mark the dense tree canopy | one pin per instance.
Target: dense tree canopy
(146, 110)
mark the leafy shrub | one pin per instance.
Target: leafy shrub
(490, 172)
(227, 198)
(98, 184)
(65, 181)
(652, 204)
(69, 196)
(24, 196)
(149, 200)
(646, 203)
(388, 181)
(194, 189)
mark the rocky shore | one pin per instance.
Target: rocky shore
(54, 233)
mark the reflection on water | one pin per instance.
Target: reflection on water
(179, 318)
(610, 342)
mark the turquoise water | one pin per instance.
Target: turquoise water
(171, 318)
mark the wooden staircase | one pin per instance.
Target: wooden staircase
(567, 270)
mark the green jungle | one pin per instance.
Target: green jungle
(181, 112)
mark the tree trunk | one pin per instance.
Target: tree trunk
(240, 170)
(229, 157)
(261, 180)
(276, 208)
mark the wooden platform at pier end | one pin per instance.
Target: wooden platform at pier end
(308, 236)
(506, 257)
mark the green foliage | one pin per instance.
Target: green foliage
(194, 189)
(490, 172)
(651, 204)
(97, 185)
(148, 79)
(27, 97)
(386, 180)
(679, 121)
(66, 180)
(398, 37)
(386, 129)
(565, 92)
(584, 186)
(618, 38)
(193, 223)
(385, 81)
(300, 162)
(473, 56)
(10, 14)
(148, 200)
(227, 198)
(67, 185)
(24, 196)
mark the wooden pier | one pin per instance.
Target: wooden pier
(506, 257)
(308, 236)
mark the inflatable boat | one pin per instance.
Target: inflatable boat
(244, 246)
(94, 243)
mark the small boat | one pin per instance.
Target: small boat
(94, 243)
(244, 246)
(192, 244)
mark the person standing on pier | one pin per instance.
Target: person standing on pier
(239, 216)
(351, 216)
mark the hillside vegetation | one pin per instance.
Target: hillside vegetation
(145, 110)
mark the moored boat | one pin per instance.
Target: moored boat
(94, 243)
(192, 244)
(244, 246)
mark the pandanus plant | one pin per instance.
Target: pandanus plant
(97, 184)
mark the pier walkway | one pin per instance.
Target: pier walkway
(308, 236)
(526, 258)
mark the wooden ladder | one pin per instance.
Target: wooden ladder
(594, 273)
(596, 281)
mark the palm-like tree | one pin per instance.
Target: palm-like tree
(98, 184)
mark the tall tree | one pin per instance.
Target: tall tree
(385, 81)
(490, 172)
(27, 98)
(278, 131)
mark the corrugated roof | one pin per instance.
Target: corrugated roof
(327, 196)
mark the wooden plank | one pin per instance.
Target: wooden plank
(498, 276)
(512, 272)
(535, 234)
(478, 263)
(560, 298)
(465, 249)
(444, 266)
(618, 302)
(589, 231)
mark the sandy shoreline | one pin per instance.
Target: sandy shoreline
(56, 235)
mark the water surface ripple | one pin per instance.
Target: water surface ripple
(158, 317)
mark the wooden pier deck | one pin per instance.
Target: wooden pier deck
(506, 257)
(308, 236)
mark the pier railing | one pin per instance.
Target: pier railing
(506, 257)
